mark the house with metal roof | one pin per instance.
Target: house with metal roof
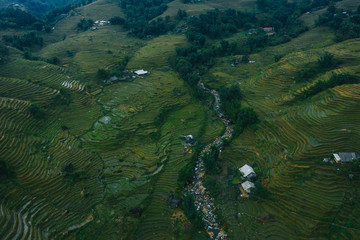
(346, 156)
(247, 186)
(248, 172)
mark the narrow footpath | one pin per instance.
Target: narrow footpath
(203, 201)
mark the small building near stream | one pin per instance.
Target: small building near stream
(248, 172)
(346, 156)
(247, 186)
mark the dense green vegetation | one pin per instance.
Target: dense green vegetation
(25, 41)
(99, 160)
(345, 23)
(140, 12)
(4, 53)
(6, 172)
(85, 24)
(335, 80)
(15, 18)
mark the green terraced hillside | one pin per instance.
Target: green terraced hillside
(85, 159)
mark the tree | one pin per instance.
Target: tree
(188, 205)
(36, 111)
(326, 60)
(84, 24)
(102, 74)
(211, 160)
(4, 53)
(5, 170)
(117, 20)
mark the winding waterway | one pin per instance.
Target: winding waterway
(203, 201)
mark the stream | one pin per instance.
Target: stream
(203, 201)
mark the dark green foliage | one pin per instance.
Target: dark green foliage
(346, 25)
(53, 60)
(37, 111)
(213, 186)
(15, 18)
(5, 170)
(181, 14)
(211, 162)
(246, 116)
(53, 16)
(186, 174)
(4, 53)
(188, 205)
(326, 60)
(68, 168)
(27, 40)
(63, 98)
(102, 74)
(84, 24)
(71, 174)
(117, 20)
(230, 98)
(335, 80)
(140, 12)
(245, 59)
(277, 57)
(261, 191)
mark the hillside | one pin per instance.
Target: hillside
(84, 157)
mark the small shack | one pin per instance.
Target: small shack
(189, 139)
(346, 156)
(248, 172)
(141, 72)
(247, 186)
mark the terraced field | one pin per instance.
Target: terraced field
(307, 198)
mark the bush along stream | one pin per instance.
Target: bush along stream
(203, 202)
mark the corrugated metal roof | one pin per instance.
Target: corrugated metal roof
(247, 186)
(246, 170)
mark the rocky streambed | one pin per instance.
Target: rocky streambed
(203, 201)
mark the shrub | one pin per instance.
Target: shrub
(37, 111)
(326, 60)
(5, 170)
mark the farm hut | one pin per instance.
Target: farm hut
(248, 172)
(141, 72)
(345, 156)
(268, 29)
(247, 186)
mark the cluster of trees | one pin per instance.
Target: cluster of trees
(4, 53)
(217, 24)
(335, 80)
(231, 105)
(84, 24)
(63, 98)
(211, 161)
(324, 63)
(116, 70)
(37, 111)
(71, 174)
(140, 12)
(346, 24)
(194, 59)
(27, 40)
(16, 18)
(188, 205)
(5, 171)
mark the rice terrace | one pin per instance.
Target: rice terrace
(179, 119)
